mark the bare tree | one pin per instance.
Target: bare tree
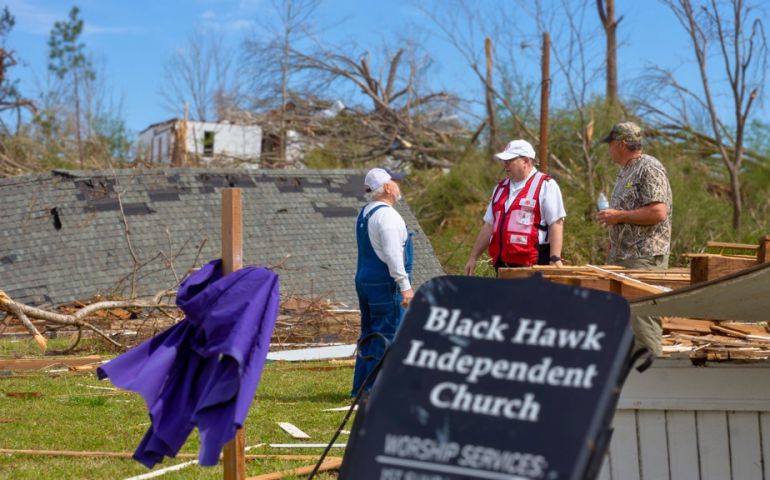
(737, 34)
(267, 58)
(606, 10)
(10, 97)
(464, 26)
(201, 74)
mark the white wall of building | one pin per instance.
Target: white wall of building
(677, 421)
(241, 142)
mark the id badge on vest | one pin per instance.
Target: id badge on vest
(520, 222)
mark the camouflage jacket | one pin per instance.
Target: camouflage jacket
(642, 182)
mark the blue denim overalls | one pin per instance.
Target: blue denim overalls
(379, 299)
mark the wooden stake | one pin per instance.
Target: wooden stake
(233, 459)
(763, 252)
(545, 87)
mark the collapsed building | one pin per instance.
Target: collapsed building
(67, 235)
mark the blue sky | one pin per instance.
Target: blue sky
(133, 39)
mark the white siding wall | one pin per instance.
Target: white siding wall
(239, 141)
(680, 422)
(155, 142)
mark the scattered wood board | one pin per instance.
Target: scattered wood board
(330, 463)
(292, 430)
(38, 363)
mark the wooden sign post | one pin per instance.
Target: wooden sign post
(233, 460)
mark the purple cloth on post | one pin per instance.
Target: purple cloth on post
(204, 370)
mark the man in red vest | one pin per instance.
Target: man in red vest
(524, 221)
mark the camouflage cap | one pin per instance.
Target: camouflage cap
(628, 132)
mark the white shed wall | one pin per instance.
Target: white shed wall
(679, 422)
(238, 141)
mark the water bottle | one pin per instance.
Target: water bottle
(602, 203)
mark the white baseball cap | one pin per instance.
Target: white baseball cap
(378, 177)
(516, 148)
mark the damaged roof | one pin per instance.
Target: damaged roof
(66, 235)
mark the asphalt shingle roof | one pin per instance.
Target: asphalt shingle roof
(62, 234)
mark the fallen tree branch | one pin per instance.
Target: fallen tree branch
(77, 319)
(13, 308)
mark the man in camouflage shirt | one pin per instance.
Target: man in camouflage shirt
(639, 217)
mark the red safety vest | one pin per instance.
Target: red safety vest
(514, 234)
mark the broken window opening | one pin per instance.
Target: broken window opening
(208, 144)
(56, 219)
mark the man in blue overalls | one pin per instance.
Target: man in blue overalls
(383, 274)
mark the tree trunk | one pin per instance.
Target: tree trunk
(735, 198)
(491, 114)
(284, 89)
(607, 16)
(77, 119)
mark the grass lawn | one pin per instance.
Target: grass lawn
(62, 411)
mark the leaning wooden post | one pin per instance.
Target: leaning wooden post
(545, 88)
(232, 259)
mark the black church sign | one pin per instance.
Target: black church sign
(495, 379)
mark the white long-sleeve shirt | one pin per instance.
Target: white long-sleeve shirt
(388, 234)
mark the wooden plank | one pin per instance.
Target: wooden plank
(653, 444)
(626, 280)
(233, 460)
(514, 273)
(764, 430)
(45, 362)
(749, 329)
(293, 430)
(681, 324)
(682, 445)
(745, 453)
(709, 267)
(713, 444)
(763, 252)
(331, 463)
(100, 454)
(624, 449)
(732, 246)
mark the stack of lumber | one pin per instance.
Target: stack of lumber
(715, 340)
(629, 283)
(723, 258)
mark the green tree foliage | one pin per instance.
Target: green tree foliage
(450, 205)
(67, 60)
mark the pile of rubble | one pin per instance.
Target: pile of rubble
(715, 340)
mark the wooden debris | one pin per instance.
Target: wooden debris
(330, 463)
(707, 266)
(340, 409)
(626, 280)
(306, 445)
(24, 394)
(293, 431)
(163, 471)
(97, 454)
(715, 340)
(39, 363)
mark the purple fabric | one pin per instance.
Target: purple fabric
(204, 370)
